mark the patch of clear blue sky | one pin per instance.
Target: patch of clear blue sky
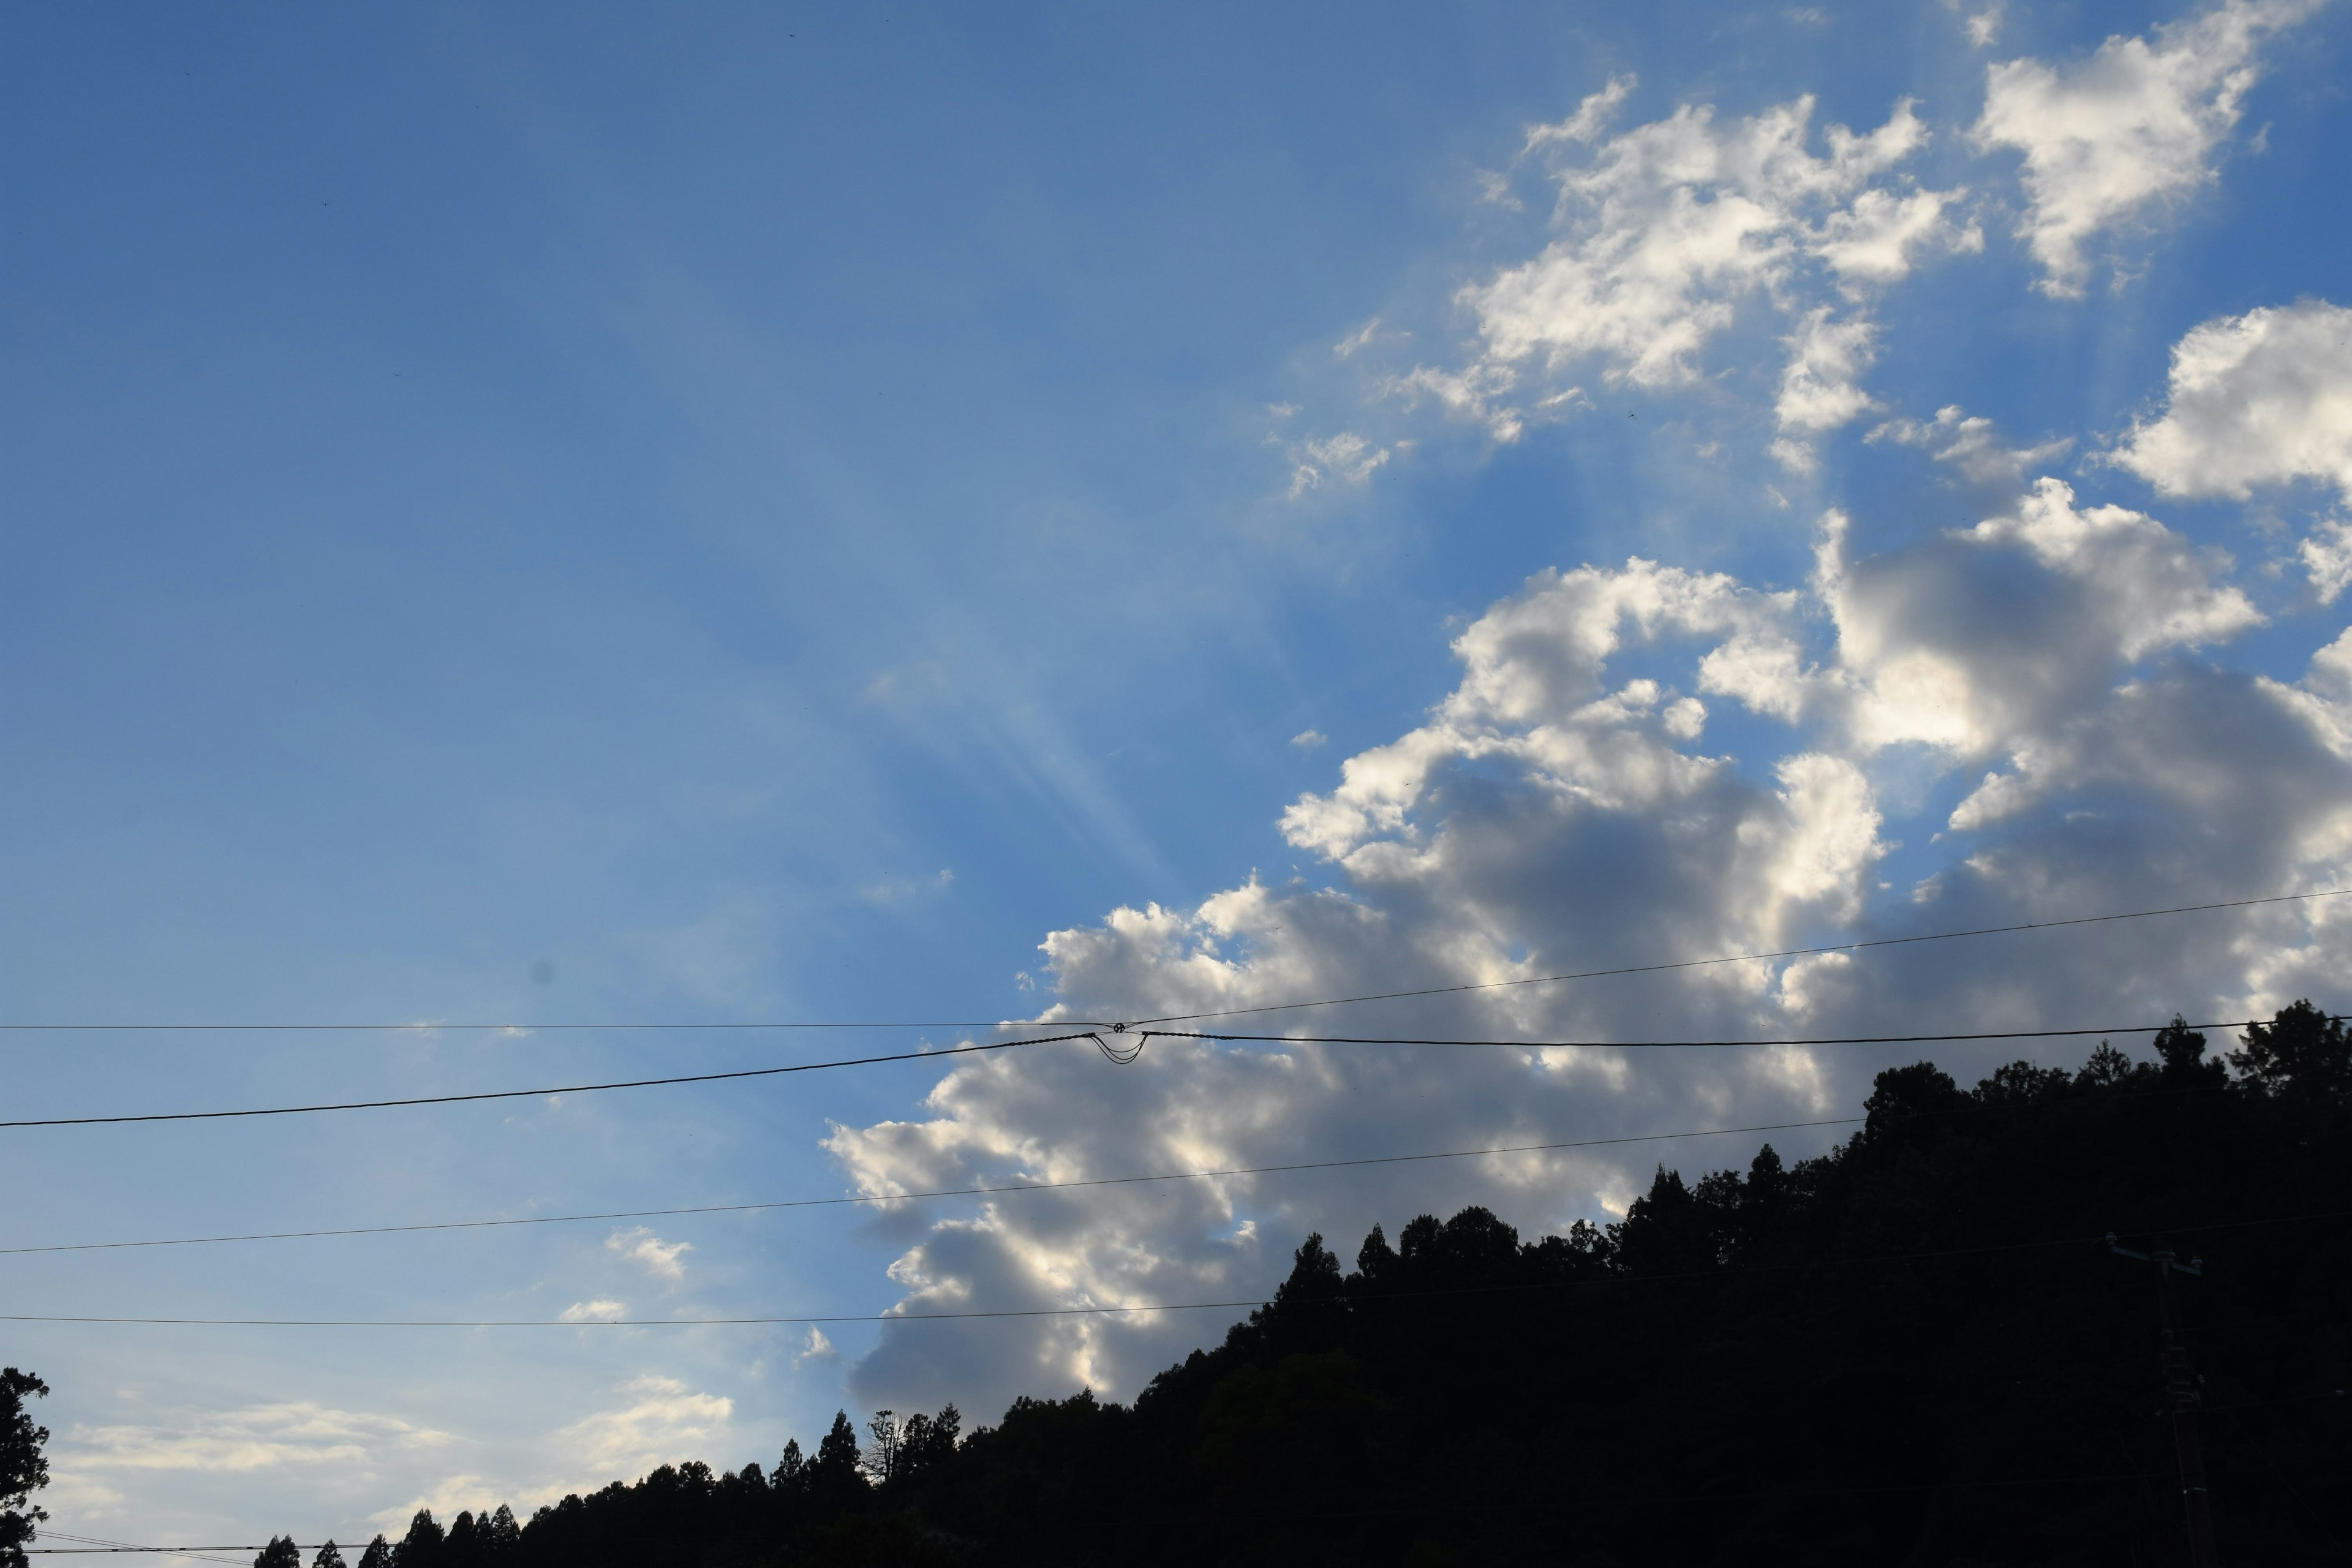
(645, 491)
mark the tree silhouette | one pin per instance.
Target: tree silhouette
(328, 1557)
(1908, 1347)
(24, 1469)
(2301, 1051)
(281, 1552)
(377, 1556)
(424, 1546)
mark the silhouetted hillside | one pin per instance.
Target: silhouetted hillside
(1913, 1350)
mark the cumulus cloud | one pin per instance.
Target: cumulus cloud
(1669, 225)
(657, 1257)
(602, 1309)
(1310, 740)
(2327, 558)
(1821, 388)
(2121, 136)
(1561, 808)
(2256, 399)
(1664, 232)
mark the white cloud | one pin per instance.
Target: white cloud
(1476, 393)
(252, 1437)
(1591, 117)
(650, 1252)
(816, 1347)
(2160, 592)
(1344, 458)
(1310, 740)
(1495, 188)
(2125, 133)
(1820, 389)
(1665, 232)
(1670, 225)
(1561, 809)
(602, 1309)
(2327, 558)
(1971, 444)
(2256, 399)
(1982, 28)
(662, 1422)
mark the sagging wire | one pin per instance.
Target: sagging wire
(1129, 1046)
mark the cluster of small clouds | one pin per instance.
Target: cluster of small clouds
(1666, 229)
(1664, 233)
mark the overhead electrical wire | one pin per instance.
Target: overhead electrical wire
(1120, 1043)
(532, 1093)
(427, 1026)
(100, 1544)
(1009, 1188)
(934, 1193)
(1125, 1308)
(1697, 1045)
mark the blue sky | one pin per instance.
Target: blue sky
(772, 513)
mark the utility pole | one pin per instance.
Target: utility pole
(2180, 1396)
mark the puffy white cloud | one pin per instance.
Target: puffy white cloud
(1665, 231)
(1670, 225)
(1561, 809)
(2123, 134)
(657, 1257)
(2327, 558)
(602, 1309)
(2156, 590)
(1820, 389)
(2255, 399)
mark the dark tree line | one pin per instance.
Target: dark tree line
(1912, 1350)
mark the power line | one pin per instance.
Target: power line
(100, 1543)
(427, 1026)
(1011, 1312)
(936, 1193)
(1118, 1042)
(1694, 1045)
(532, 1093)
(1740, 958)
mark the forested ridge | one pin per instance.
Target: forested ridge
(1915, 1349)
